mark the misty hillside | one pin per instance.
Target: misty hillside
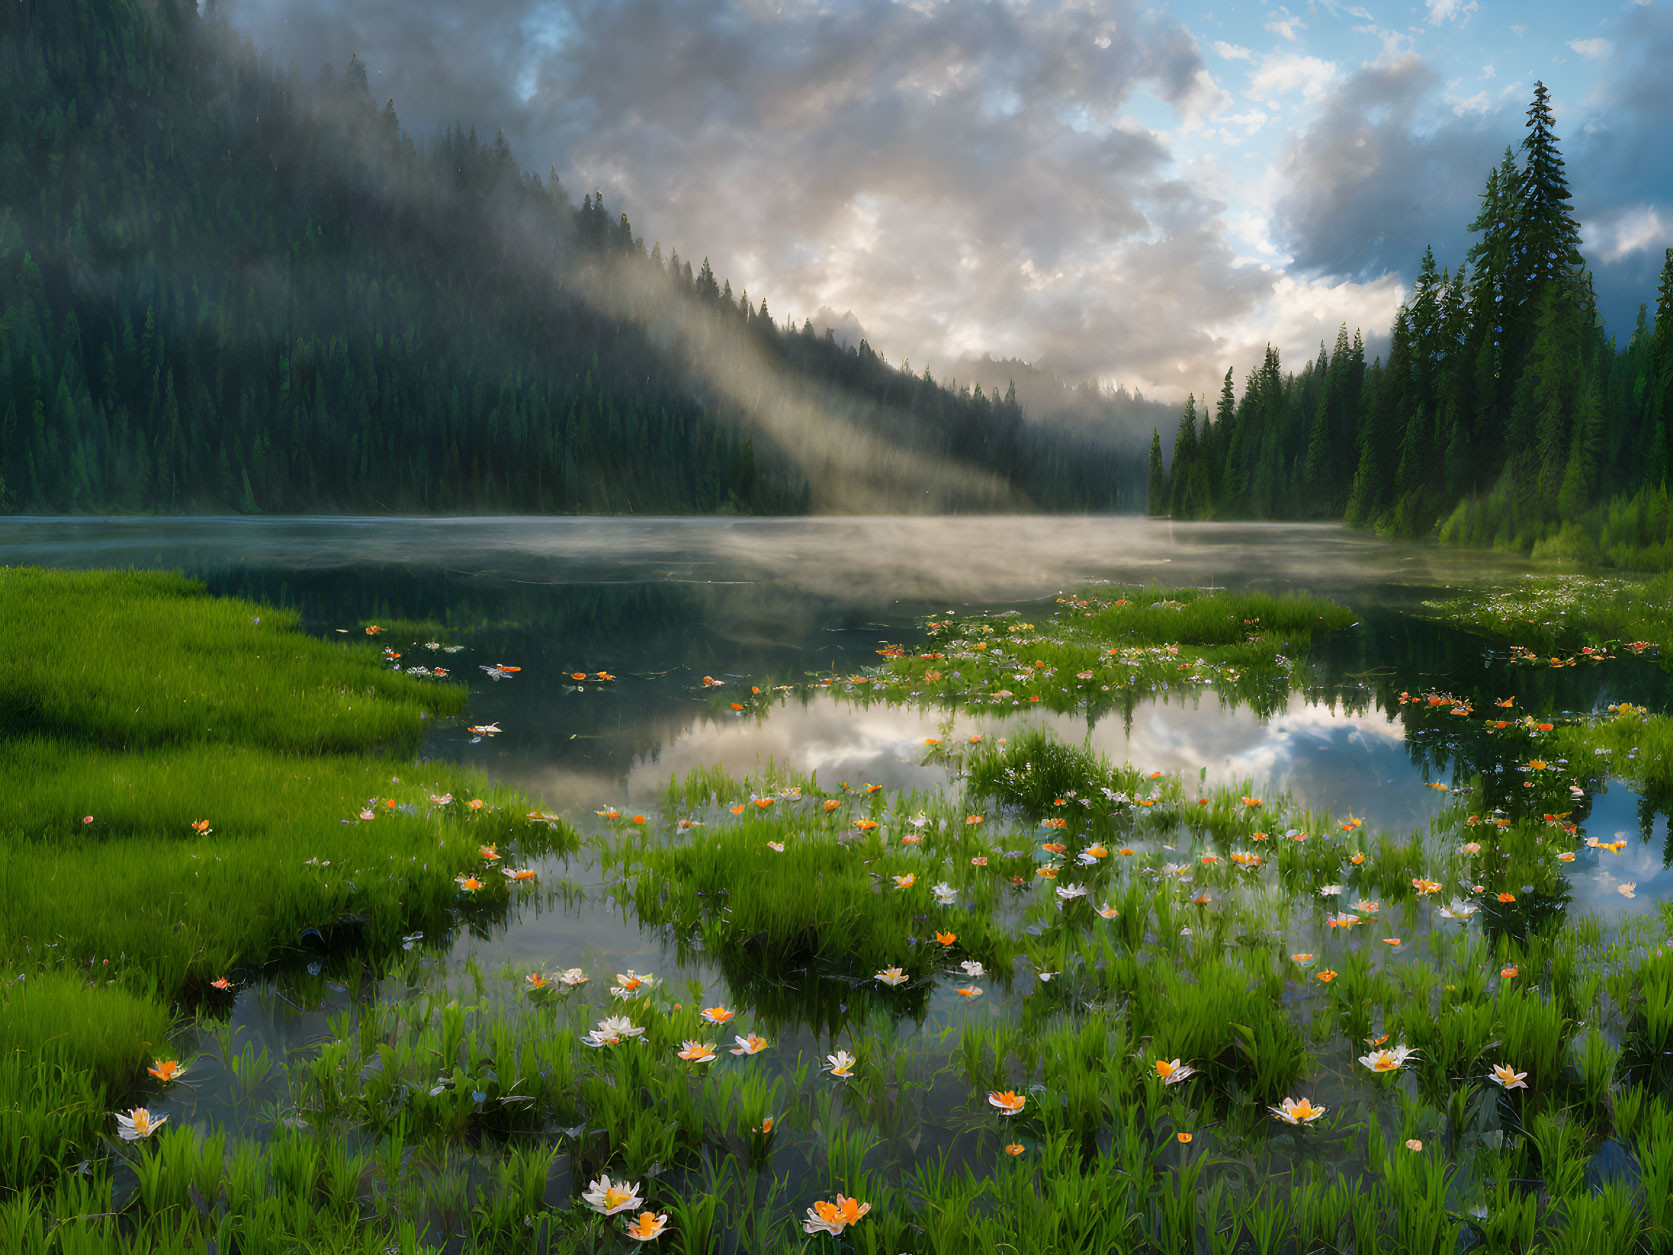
(223, 287)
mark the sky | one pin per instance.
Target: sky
(1143, 195)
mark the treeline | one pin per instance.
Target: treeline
(1504, 413)
(222, 288)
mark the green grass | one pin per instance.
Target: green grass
(131, 660)
(1570, 612)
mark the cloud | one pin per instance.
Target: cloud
(1618, 168)
(1591, 49)
(1281, 73)
(1286, 25)
(1385, 170)
(1232, 52)
(965, 178)
(1635, 230)
(1451, 11)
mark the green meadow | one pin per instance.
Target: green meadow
(1065, 1003)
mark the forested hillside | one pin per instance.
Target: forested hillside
(226, 288)
(1505, 414)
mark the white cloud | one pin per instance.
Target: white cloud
(1591, 49)
(1451, 11)
(1286, 25)
(1284, 72)
(1232, 52)
(1636, 229)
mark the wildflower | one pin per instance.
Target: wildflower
(166, 1070)
(138, 1124)
(611, 1030)
(1330, 891)
(906, 881)
(1509, 973)
(972, 967)
(1507, 897)
(1303, 959)
(1472, 847)
(648, 1227)
(1071, 891)
(201, 826)
(1458, 909)
(1172, 1072)
(470, 884)
(1387, 1060)
(1183, 1138)
(945, 939)
(1050, 873)
(777, 847)
(1015, 1148)
(717, 1015)
(535, 981)
(1092, 854)
(892, 976)
(1413, 1144)
(1426, 886)
(1567, 856)
(441, 800)
(1327, 976)
(1391, 941)
(630, 983)
(572, 977)
(1108, 911)
(979, 861)
(1366, 907)
(696, 1052)
(1055, 848)
(607, 1199)
(841, 1064)
(1297, 1111)
(1008, 1102)
(765, 1128)
(368, 815)
(517, 873)
(969, 991)
(476, 803)
(221, 983)
(944, 893)
(833, 1218)
(751, 1045)
(1508, 1077)
(830, 803)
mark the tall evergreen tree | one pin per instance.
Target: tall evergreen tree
(1158, 487)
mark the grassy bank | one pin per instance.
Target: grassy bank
(191, 789)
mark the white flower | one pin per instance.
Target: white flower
(1387, 1060)
(1330, 891)
(610, 1031)
(1458, 909)
(840, 1064)
(892, 976)
(573, 976)
(607, 1199)
(1070, 892)
(138, 1123)
(972, 967)
(944, 893)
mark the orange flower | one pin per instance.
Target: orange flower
(1184, 1138)
(975, 819)
(648, 1227)
(946, 939)
(1009, 1102)
(201, 825)
(1327, 976)
(1507, 897)
(1508, 973)
(1015, 1148)
(830, 803)
(167, 1070)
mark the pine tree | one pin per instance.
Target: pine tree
(1183, 497)
(1158, 495)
